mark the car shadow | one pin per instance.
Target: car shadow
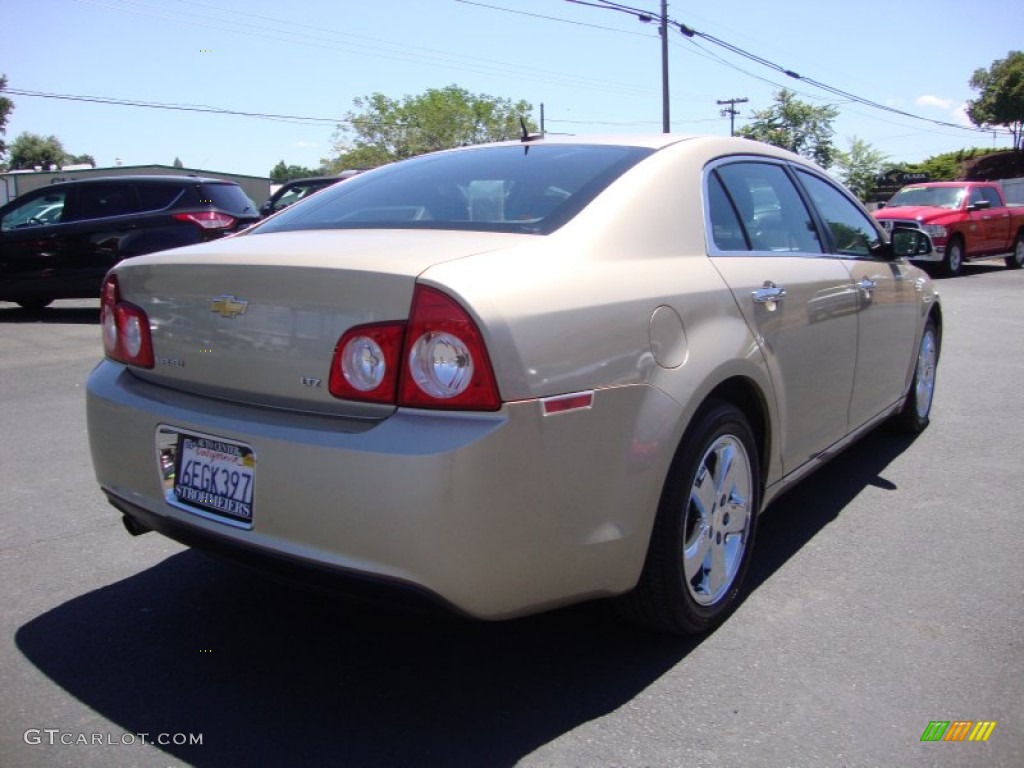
(55, 314)
(273, 675)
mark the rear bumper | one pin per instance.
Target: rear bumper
(494, 515)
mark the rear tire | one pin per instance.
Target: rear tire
(917, 405)
(1016, 259)
(953, 260)
(703, 534)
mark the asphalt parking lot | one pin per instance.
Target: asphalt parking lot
(886, 593)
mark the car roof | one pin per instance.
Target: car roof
(713, 146)
(169, 179)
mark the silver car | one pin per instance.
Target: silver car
(511, 377)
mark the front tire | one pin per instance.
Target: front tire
(1016, 259)
(917, 406)
(953, 261)
(703, 534)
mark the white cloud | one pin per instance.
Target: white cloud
(933, 101)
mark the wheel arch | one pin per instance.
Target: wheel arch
(750, 399)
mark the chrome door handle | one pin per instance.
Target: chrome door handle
(768, 294)
(867, 285)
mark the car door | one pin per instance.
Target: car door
(799, 301)
(888, 300)
(31, 244)
(102, 216)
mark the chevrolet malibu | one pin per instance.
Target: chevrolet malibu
(510, 377)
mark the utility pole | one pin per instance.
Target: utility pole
(666, 126)
(731, 111)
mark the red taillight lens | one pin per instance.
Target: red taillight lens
(445, 362)
(126, 335)
(436, 360)
(366, 361)
(207, 219)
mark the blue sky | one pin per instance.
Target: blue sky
(595, 71)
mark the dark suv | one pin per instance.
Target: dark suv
(59, 241)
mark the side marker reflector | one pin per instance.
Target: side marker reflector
(571, 402)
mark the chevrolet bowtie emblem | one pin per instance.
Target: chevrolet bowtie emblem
(228, 306)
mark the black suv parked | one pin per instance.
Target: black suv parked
(295, 190)
(59, 241)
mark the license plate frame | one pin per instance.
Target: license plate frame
(215, 475)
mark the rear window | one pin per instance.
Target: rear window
(529, 188)
(227, 197)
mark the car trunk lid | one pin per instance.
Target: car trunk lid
(255, 318)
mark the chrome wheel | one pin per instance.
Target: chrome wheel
(954, 257)
(717, 520)
(924, 377)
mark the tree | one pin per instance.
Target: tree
(859, 168)
(29, 150)
(1002, 96)
(177, 163)
(282, 173)
(6, 105)
(795, 125)
(385, 130)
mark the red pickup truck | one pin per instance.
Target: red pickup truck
(966, 220)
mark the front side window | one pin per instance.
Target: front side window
(769, 208)
(529, 188)
(988, 193)
(853, 233)
(38, 210)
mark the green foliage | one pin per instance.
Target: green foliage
(948, 166)
(795, 125)
(859, 168)
(384, 130)
(29, 150)
(1001, 99)
(6, 105)
(281, 173)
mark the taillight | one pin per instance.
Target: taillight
(436, 360)
(126, 336)
(445, 360)
(207, 219)
(365, 365)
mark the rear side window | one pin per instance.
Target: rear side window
(157, 197)
(853, 233)
(528, 188)
(227, 197)
(773, 216)
(100, 201)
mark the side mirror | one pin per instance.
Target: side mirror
(266, 209)
(909, 243)
(980, 205)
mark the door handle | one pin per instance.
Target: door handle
(768, 294)
(867, 285)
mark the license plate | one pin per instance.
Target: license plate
(215, 475)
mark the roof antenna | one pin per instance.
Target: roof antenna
(526, 136)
